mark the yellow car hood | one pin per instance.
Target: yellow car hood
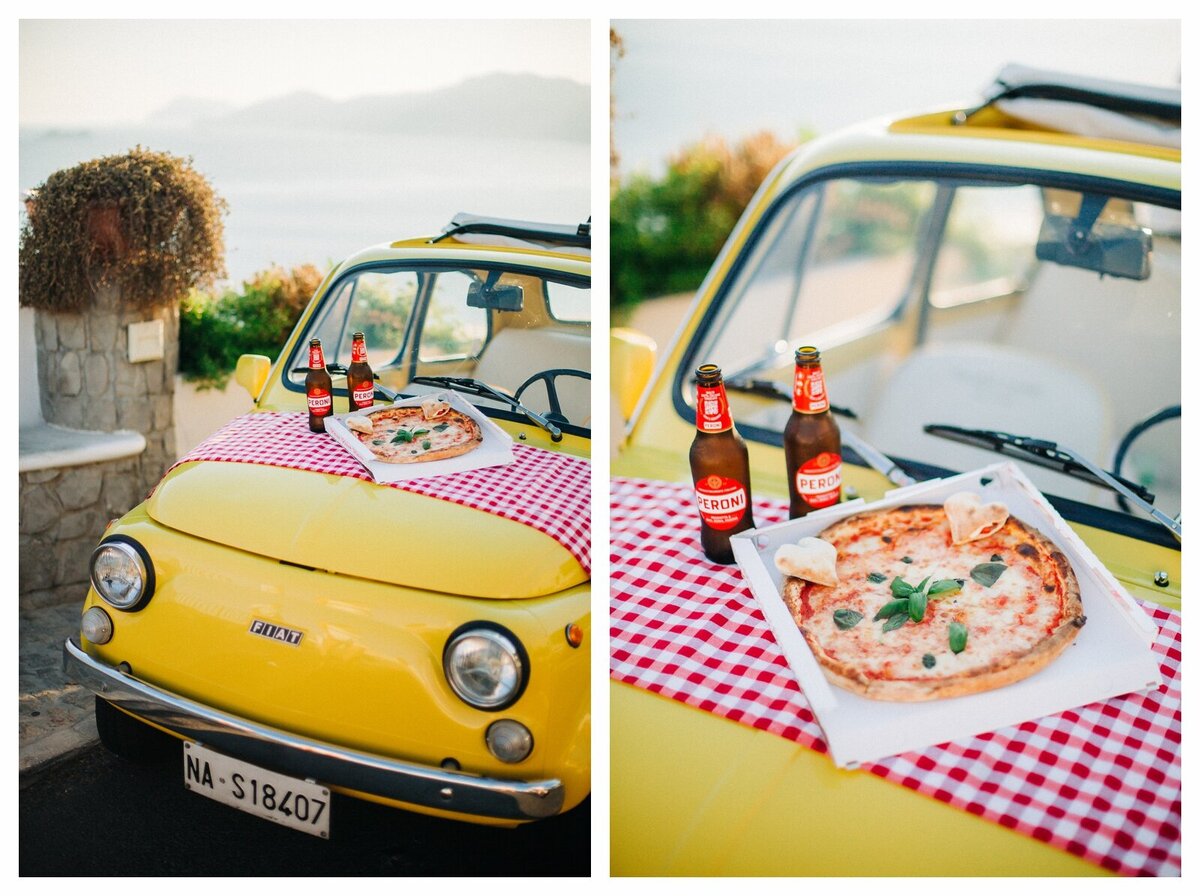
(358, 528)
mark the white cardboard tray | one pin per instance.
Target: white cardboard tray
(496, 449)
(1110, 656)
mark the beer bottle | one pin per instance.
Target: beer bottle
(318, 385)
(360, 380)
(812, 442)
(720, 468)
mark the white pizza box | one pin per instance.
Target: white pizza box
(1111, 655)
(494, 451)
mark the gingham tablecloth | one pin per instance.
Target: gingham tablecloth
(1100, 781)
(550, 492)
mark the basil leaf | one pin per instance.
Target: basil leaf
(877, 577)
(944, 586)
(441, 427)
(923, 586)
(901, 588)
(427, 444)
(958, 637)
(846, 619)
(996, 557)
(421, 432)
(906, 559)
(891, 608)
(929, 661)
(916, 605)
(402, 436)
(895, 622)
(987, 573)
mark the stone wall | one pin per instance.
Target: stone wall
(87, 381)
(63, 515)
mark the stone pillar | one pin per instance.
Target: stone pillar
(88, 382)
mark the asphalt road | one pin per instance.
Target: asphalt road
(97, 815)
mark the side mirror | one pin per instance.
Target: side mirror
(633, 355)
(251, 373)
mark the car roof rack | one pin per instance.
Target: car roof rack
(1023, 82)
(578, 236)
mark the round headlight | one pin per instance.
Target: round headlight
(485, 667)
(121, 573)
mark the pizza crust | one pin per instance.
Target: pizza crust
(1008, 656)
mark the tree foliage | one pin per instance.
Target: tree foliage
(666, 232)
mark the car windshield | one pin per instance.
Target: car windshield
(1020, 306)
(503, 327)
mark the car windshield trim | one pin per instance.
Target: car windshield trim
(956, 174)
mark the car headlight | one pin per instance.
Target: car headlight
(485, 665)
(121, 573)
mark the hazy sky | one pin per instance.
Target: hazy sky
(681, 80)
(88, 72)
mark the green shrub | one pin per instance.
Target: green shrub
(215, 329)
(666, 232)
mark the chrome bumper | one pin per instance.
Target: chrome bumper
(418, 785)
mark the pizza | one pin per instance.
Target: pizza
(927, 601)
(416, 434)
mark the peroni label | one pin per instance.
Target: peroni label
(819, 479)
(808, 392)
(320, 403)
(358, 352)
(721, 500)
(712, 409)
(364, 397)
(316, 357)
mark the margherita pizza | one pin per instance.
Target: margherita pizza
(932, 601)
(416, 434)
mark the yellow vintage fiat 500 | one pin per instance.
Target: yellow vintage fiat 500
(303, 628)
(984, 284)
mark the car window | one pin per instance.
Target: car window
(965, 303)
(378, 303)
(452, 329)
(569, 303)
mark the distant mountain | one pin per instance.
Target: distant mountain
(512, 105)
(186, 111)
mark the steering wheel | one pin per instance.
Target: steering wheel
(1127, 440)
(555, 413)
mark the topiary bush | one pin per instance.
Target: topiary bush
(144, 221)
(215, 329)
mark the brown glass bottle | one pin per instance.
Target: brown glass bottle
(318, 386)
(720, 468)
(812, 442)
(360, 379)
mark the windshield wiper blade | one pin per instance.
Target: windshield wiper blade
(475, 387)
(1053, 456)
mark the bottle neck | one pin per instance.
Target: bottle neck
(712, 408)
(358, 352)
(808, 391)
(316, 358)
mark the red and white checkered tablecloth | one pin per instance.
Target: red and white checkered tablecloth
(550, 492)
(1100, 781)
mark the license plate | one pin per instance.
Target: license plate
(292, 802)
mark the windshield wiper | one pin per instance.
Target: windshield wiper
(483, 390)
(770, 389)
(1053, 456)
(340, 370)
